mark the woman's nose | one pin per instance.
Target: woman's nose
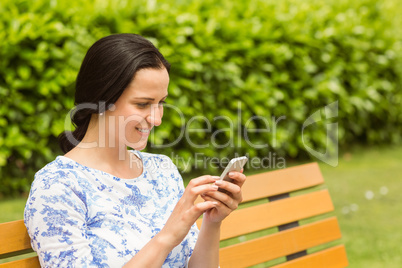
(155, 118)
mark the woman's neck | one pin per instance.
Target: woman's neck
(99, 151)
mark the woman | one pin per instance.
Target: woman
(102, 205)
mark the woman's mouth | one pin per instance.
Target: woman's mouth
(143, 131)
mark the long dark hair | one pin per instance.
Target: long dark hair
(108, 67)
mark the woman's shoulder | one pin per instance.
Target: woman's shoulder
(60, 170)
(58, 164)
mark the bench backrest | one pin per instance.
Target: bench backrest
(16, 242)
(282, 211)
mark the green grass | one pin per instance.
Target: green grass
(12, 209)
(372, 232)
(370, 227)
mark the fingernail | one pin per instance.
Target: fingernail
(215, 187)
(215, 177)
(218, 182)
(231, 174)
(215, 203)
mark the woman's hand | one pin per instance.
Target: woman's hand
(228, 200)
(186, 212)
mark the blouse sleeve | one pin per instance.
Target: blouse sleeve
(55, 219)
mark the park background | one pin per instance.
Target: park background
(278, 58)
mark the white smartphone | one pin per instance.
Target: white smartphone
(236, 164)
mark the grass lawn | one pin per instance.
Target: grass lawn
(12, 209)
(365, 188)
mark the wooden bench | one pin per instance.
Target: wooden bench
(280, 211)
(16, 242)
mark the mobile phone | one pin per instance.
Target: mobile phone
(236, 164)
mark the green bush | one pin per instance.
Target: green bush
(279, 58)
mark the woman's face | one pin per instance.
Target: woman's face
(138, 109)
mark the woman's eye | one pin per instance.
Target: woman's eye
(142, 105)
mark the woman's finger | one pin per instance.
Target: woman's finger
(199, 186)
(202, 180)
(224, 201)
(237, 177)
(230, 187)
(202, 189)
(198, 209)
(223, 198)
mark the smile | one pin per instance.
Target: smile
(143, 130)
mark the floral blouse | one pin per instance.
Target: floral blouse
(78, 216)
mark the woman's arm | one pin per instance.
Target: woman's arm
(206, 251)
(55, 217)
(153, 254)
(185, 213)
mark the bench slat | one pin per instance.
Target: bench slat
(275, 213)
(13, 237)
(281, 181)
(32, 262)
(16, 253)
(280, 244)
(334, 257)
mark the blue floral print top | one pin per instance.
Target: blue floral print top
(78, 216)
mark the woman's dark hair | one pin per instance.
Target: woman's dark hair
(108, 67)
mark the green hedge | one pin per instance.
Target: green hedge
(283, 58)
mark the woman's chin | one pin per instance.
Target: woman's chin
(139, 145)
